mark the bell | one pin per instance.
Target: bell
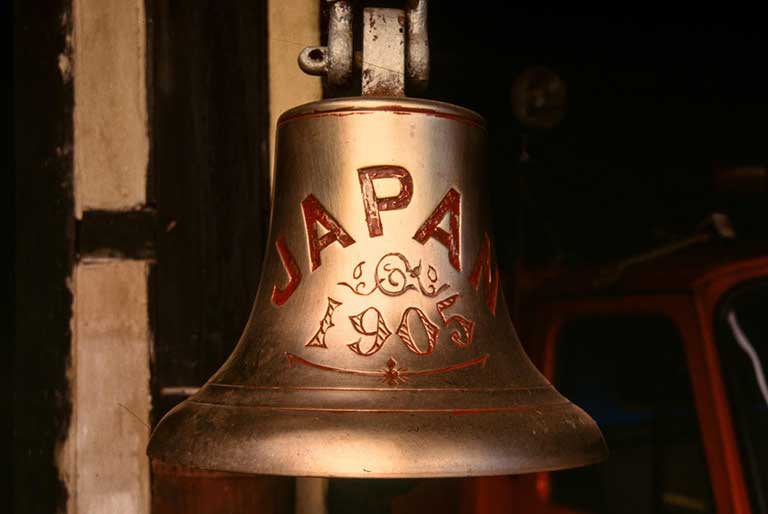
(379, 344)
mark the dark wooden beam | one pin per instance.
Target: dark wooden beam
(45, 235)
(210, 169)
(128, 235)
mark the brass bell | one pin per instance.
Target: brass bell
(379, 344)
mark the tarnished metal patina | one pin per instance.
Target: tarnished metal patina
(379, 344)
(335, 60)
(395, 49)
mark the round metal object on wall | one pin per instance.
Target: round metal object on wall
(379, 344)
(539, 98)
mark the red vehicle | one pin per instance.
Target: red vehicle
(669, 356)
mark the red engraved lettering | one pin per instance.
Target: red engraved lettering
(380, 333)
(314, 213)
(450, 204)
(373, 204)
(318, 340)
(281, 295)
(430, 329)
(482, 269)
(467, 326)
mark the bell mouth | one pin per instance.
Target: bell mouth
(382, 444)
(393, 104)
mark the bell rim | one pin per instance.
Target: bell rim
(373, 104)
(574, 442)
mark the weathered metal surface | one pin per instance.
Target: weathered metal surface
(383, 72)
(417, 46)
(379, 344)
(340, 43)
(334, 60)
(395, 49)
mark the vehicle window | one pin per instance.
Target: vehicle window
(630, 374)
(742, 335)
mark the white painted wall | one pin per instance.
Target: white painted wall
(110, 137)
(103, 461)
(109, 428)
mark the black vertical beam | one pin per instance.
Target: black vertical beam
(43, 103)
(209, 164)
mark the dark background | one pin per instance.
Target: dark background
(657, 97)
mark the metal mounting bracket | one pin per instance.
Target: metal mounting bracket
(395, 51)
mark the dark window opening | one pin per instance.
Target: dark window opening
(630, 374)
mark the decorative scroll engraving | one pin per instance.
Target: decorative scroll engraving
(318, 340)
(380, 333)
(394, 276)
(450, 204)
(467, 326)
(482, 269)
(373, 204)
(280, 296)
(392, 375)
(315, 213)
(430, 329)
